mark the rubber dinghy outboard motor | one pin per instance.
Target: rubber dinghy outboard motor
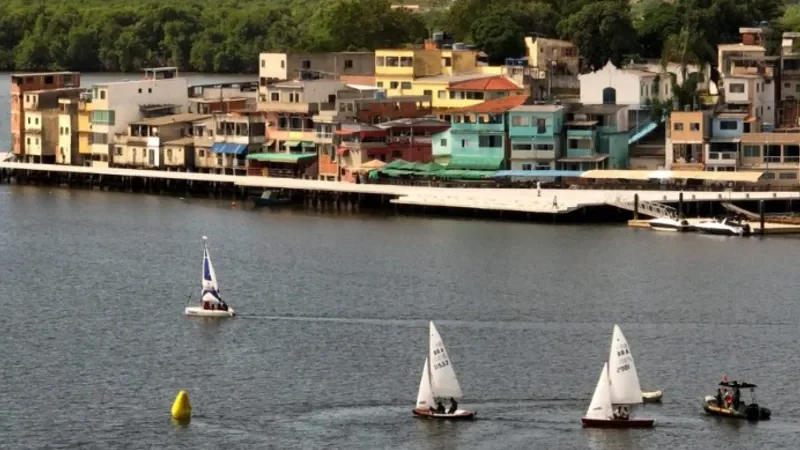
(754, 412)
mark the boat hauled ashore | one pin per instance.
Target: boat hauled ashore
(211, 303)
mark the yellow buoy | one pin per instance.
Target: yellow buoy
(181, 408)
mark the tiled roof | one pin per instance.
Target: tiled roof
(495, 106)
(498, 83)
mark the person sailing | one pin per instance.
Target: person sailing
(440, 407)
(453, 406)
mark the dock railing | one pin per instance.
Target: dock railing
(653, 209)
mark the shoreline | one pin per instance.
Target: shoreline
(514, 204)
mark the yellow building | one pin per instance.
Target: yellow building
(85, 128)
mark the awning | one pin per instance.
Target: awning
(290, 144)
(474, 162)
(226, 148)
(725, 140)
(289, 158)
(307, 144)
(583, 159)
(538, 173)
(617, 174)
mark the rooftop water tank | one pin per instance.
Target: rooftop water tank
(459, 46)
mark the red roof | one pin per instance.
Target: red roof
(497, 105)
(498, 83)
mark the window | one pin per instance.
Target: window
(519, 121)
(393, 85)
(736, 88)
(678, 126)
(787, 176)
(442, 94)
(379, 84)
(48, 79)
(544, 147)
(118, 151)
(28, 141)
(283, 123)
(541, 126)
(201, 153)
(490, 141)
(427, 92)
(405, 85)
(527, 167)
(102, 94)
(263, 63)
(283, 64)
(752, 151)
(275, 97)
(694, 126)
(36, 121)
(464, 143)
(380, 61)
(447, 61)
(348, 63)
(306, 64)
(140, 90)
(102, 117)
(521, 147)
(443, 142)
(149, 90)
(727, 125)
(542, 166)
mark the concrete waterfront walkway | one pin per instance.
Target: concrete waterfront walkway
(551, 201)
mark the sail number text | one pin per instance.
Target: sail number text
(439, 365)
(623, 368)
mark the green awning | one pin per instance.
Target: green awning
(307, 144)
(289, 144)
(472, 162)
(291, 158)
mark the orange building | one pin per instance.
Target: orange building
(23, 83)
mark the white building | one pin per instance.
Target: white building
(115, 105)
(623, 86)
(753, 94)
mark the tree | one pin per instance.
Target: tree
(499, 36)
(654, 21)
(603, 32)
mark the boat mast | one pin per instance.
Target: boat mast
(430, 362)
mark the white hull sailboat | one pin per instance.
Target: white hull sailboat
(211, 303)
(438, 382)
(617, 390)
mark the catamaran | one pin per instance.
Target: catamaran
(438, 382)
(211, 303)
(617, 389)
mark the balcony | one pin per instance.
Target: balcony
(723, 158)
(688, 166)
(33, 129)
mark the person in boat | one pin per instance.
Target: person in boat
(453, 406)
(728, 400)
(719, 397)
(440, 407)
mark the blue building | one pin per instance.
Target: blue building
(478, 136)
(597, 137)
(536, 135)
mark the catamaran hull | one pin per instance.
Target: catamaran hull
(460, 414)
(195, 311)
(610, 423)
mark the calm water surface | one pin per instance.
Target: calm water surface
(328, 350)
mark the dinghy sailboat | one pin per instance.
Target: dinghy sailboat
(211, 303)
(438, 382)
(617, 390)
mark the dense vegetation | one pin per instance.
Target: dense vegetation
(227, 35)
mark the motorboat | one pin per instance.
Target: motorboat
(728, 403)
(617, 390)
(438, 382)
(723, 227)
(669, 224)
(652, 397)
(271, 198)
(211, 303)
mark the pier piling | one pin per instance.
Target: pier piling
(680, 206)
(761, 216)
(635, 206)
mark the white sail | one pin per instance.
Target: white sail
(600, 407)
(425, 396)
(209, 281)
(625, 388)
(444, 383)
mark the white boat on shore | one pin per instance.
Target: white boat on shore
(211, 303)
(438, 382)
(724, 227)
(669, 224)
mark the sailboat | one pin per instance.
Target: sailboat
(211, 303)
(438, 382)
(618, 386)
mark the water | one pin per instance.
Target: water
(329, 346)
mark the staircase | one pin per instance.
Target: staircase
(652, 209)
(643, 129)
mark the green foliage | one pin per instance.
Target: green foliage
(227, 35)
